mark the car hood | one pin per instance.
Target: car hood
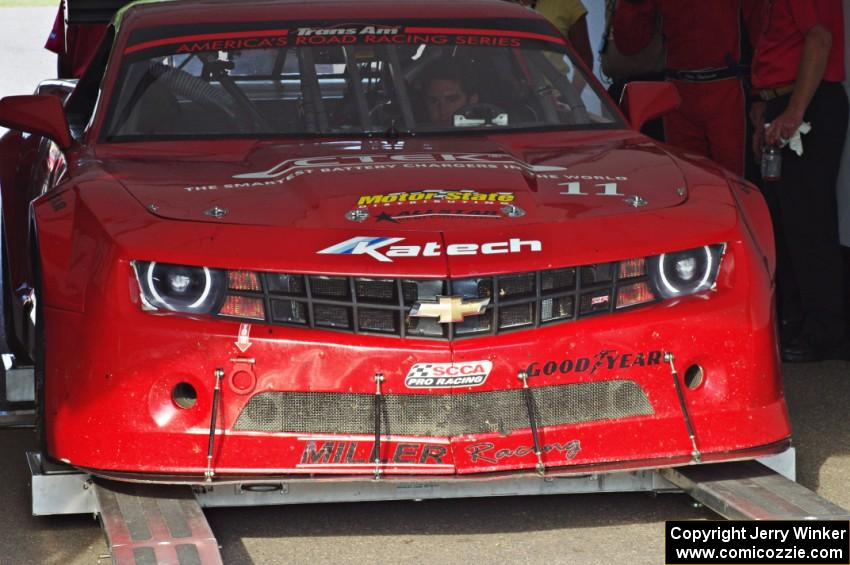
(409, 185)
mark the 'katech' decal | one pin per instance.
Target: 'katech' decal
(383, 249)
(607, 359)
(447, 375)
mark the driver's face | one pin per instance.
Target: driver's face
(444, 97)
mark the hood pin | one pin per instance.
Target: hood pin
(216, 212)
(635, 201)
(512, 211)
(357, 215)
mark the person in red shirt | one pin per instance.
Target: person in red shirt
(798, 68)
(74, 46)
(705, 48)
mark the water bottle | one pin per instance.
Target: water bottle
(771, 163)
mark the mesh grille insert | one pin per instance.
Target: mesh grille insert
(442, 414)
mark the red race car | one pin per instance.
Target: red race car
(378, 238)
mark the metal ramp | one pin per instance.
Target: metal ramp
(148, 524)
(154, 525)
(748, 490)
(16, 393)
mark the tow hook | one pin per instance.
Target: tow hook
(210, 473)
(379, 402)
(532, 421)
(696, 456)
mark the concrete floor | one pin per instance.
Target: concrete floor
(600, 528)
(24, 61)
(610, 528)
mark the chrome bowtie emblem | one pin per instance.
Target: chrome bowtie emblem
(449, 308)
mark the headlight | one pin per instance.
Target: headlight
(181, 288)
(685, 272)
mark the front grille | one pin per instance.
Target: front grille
(382, 306)
(443, 415)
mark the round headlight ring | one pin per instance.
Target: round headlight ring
(671, 290)
(164, 302)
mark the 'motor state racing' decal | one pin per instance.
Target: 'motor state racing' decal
(465, 196)
(447, 375)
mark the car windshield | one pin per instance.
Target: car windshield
(350, 79)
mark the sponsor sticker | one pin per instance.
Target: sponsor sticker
(384, 161)
(351, 452)
(447, 375)
(384, 249)
(349, 34)
(488, 452)
(607, 359)
(464, 196)
(430, 213)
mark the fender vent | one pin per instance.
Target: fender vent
(442, 414)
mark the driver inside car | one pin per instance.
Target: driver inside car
(447, 90)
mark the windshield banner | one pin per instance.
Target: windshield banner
(342, 34)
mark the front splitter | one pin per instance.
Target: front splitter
(64, 490)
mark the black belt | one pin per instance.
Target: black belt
(703, 75)
(771, 93)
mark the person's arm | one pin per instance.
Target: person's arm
(580, 41)
(634, 25)
(816, 47)
(757, 119)
(56, 43)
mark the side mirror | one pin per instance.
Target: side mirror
(41, 115)
(644, 101)
(58, 87)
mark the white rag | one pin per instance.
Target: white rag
(796, 142)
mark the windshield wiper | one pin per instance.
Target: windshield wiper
(392, 133)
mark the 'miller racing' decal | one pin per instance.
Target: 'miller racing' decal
(383, 249)
(447, 375)
(363, 452)
(486, 452)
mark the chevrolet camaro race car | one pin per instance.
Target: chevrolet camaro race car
(388, 239)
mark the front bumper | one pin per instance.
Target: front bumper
(109, 404)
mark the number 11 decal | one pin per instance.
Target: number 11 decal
(574, 189)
